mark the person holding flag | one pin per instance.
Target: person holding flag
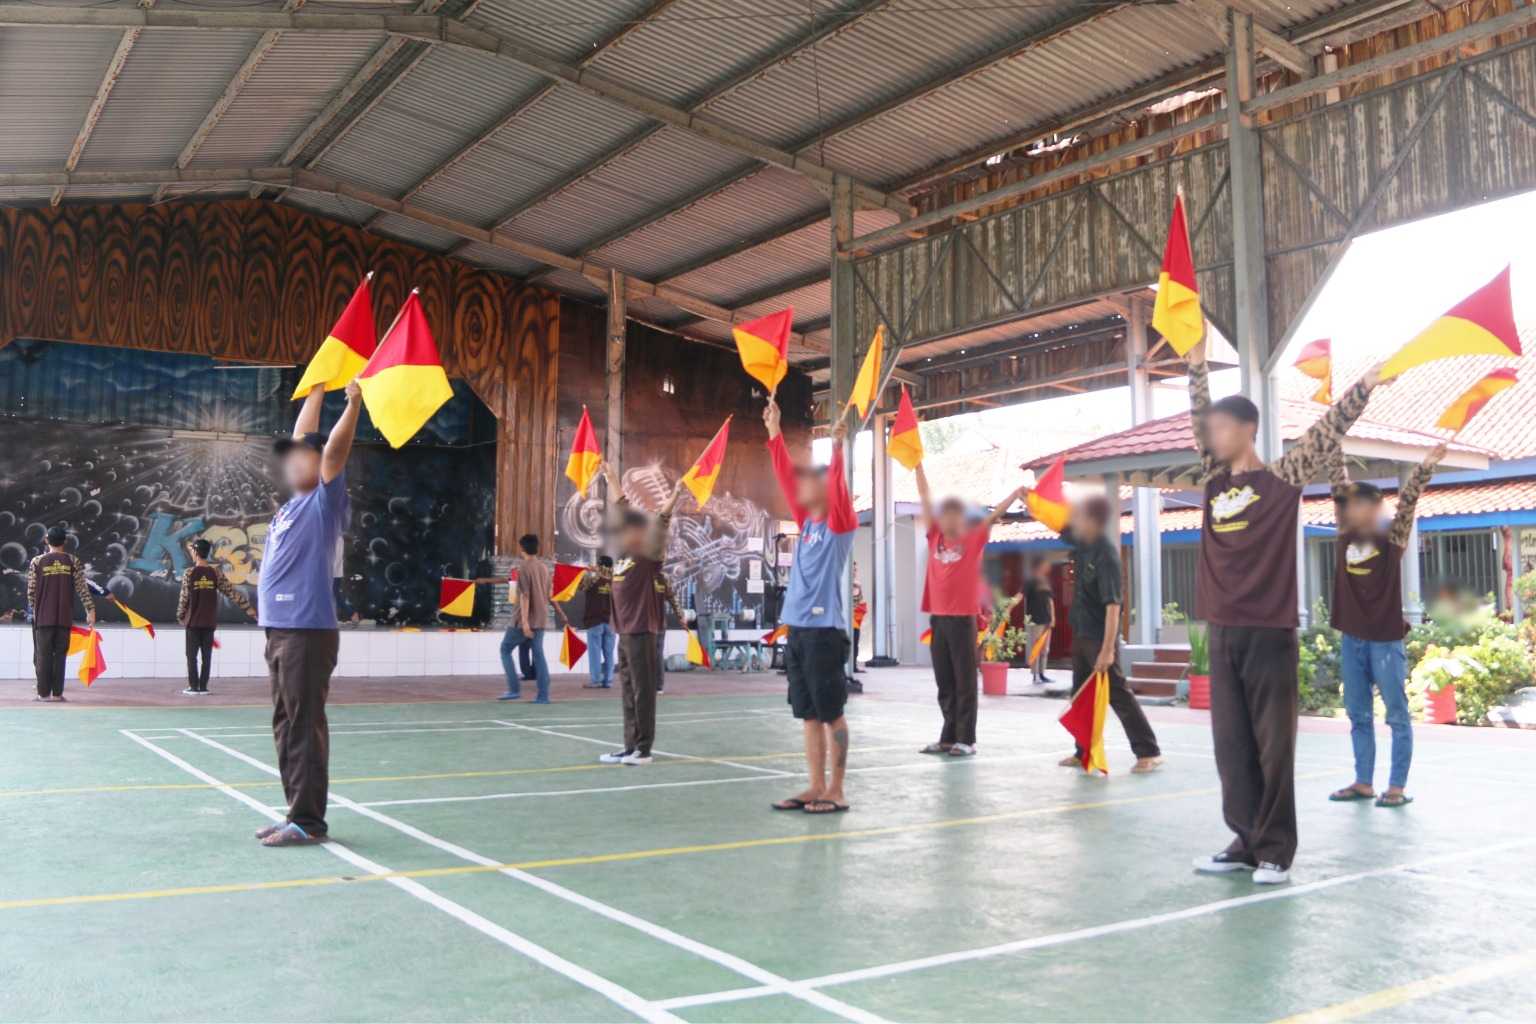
(197, 609)
(637, 612)
(817, 647)
(1368, 613)
(54, 579)
(1040, 609)
(955, 551)
(597, 621)
(1245, 588)
(533, 601)
(296, 605)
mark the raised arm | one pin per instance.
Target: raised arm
(840, 515)
(661, 524)
(1338, 478)
(235, 597)
(339, 445)
(924, 499)
(1200, 407)
(309, 413)
(1315, 449)
(616, 502)
(783, 466)
(1408, 497)
(1001, 508)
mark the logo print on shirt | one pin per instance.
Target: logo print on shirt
(1357, 554)
(1228, 504)
(947, 555)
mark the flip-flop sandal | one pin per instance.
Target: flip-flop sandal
(266, 830)
(1400, 800)
(291, 835)
(794, 803)
(1349, 794)
(825, 807)
(935, 748)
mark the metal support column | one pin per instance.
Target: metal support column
(613, 449)
(844, 343)
(882, 551)
(1413, 581)
(1146, 502)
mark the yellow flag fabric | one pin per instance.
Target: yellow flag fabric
(585, 457)
(866, 386)
(1176, 314)
(346, 350)
(456, 597)
(1084, 719)
(906, 443)
(1482, 324)
(404, 384)
(697, 655)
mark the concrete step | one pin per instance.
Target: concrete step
(1159, 669)
(1144, 687)
(1172, 653)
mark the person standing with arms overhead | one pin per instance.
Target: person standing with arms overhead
(297, 608)
(597, 620)
(1368, 612)
(816, 652)
(197, 609)
(955, 550)
(1040, 607)
(1245, 588)
(532, 611)
(637, 613)
(1097, 598)
(54, 579)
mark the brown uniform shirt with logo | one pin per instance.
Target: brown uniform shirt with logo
(597, 584)
(1368, 573)
(1246, 574)
(637, 604)
(54, 579)
(198, 604)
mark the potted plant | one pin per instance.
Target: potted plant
(1000, 644)
(1435, 677)
(1199, 666)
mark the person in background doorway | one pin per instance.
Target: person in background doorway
(1040, 607)
(297, 607)
(955, 550)
(533, 601)
(860, 609)
(197, 609)
(54, 579)
(597, 620)
(668, 599)
(1368, 613)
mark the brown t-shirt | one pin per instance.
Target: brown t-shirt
(1368, 588)
(1247, 571)
(598, 609)
(202, 583)
(636, 603)
(54, 602)
(533, 583)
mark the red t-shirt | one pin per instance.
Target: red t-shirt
(954, 570)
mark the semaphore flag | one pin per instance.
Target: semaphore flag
(572, 647)
(456, 597)
(581, 467)
(906, 442)
(1047, 500)
(763, 345)
(1177, 314)
(697, 655)
(1471, 401)
(404, 383)
(926, 636)
(866, 386)
(564, 580)
(135, 620)
(87, 643)
(1482, 324)
(345, 351)
(775, 634)
(701, 476)
(1038, 648)
(1084, 719)
(1316, 361)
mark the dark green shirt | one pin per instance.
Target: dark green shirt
(1097, 584)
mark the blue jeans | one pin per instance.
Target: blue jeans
(510, 641)
(1382, 663)
(601, 641)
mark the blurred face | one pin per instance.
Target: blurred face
(811, 490)
(951, 518)
(1084, 526)
(1231, 438)
(301, 469)
(1043, 571)
(632, 539)
(1362, 515)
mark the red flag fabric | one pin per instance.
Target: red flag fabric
(1316, 361)
(456, 597)
(585, 457)
(572, 647)
(565, 580)
(87, 644)
(906, 442)
(404, 383)
(701, 476)
(346, 350)
(1176, 314)
(1481, 324)
(1084, 719)
(1047, 500)
(763, 345)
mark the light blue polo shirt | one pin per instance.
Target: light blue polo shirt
(295, 591)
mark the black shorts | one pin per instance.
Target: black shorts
(815, 659)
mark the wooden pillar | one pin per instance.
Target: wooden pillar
(613, 448)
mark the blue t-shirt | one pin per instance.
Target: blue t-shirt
(815, 595)
(295, 591)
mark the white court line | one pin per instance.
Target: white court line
(1099, 931)
(664, 753)
(499, 727)
(337, 726)
(773, 983)
(644, 1008)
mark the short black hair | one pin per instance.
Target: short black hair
(606, 561)
(202, 547)
(1365, 492)
(1096, 508)
(529, 542)
(634, 517)
(1239, 407)
(57, 536)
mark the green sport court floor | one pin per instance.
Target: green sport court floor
(486, 868)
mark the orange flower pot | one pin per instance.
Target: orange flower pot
(1441, 708)
(994, 678)
(1199, 692)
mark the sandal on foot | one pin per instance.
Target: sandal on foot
(291, 835)
(1394, 800)
(936, 748)
(267, 830)
(824, 807)
(1349, 793)
(793, 803)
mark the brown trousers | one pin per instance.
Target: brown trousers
(50, 651)
(300, 663)
(1085, 651)
(1253, 721)
(639, 676)
(954, 670)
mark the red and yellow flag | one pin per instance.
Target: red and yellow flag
(906, 443)
(866, 386)
(701, 476)
(1047, 500)
(1316, 361)
(572, 647)
(697, 655)
(87, 643)
(345, 351)
(775, 634)
(926, 636)
(404, 383)
(1474, 398)
(763, 345)
(456, 597)
(1084, 719)
(1176, 314)
(565, 580)
(1482, 324)
(581, 467)
(135, 620)
(1038, 647)
(859, 611)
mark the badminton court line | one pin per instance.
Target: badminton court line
(499, 727)
(631, 1001)
(664, 753)
(1398, 995)
(1100, 931)
(772, 983)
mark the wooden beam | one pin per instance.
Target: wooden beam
(613, 449)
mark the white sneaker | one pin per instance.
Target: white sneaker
(190, 692)
(1221, 864)
(636, 759)
(962, 750)
(1270, 874)
(617, 757)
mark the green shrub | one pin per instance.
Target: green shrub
(1485, 672)
(1318, 674)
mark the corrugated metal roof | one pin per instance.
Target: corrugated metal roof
(492, 258)
(336, 208)
(558, 27)
(47, 81)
